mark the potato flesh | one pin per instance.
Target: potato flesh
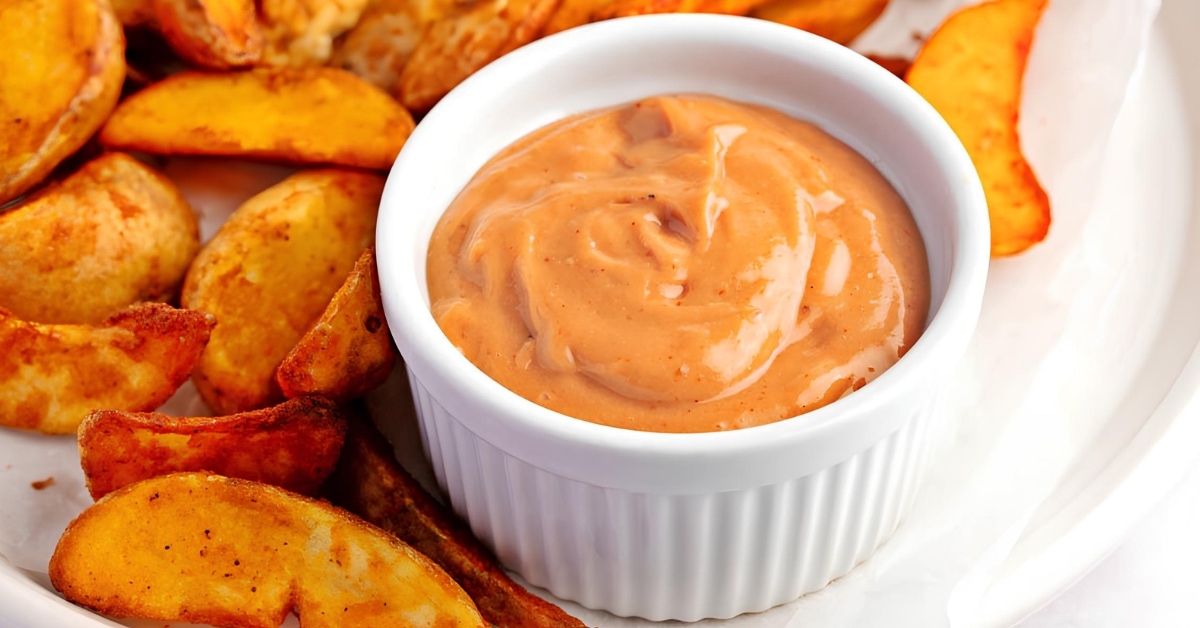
(349, 350)
(270, 272)
(51, 376)
(60, 76)
(971, 70)
(207, 549)
(293, 445)
(301, 32)
(113, 234)
(296, 115)
(839, 20)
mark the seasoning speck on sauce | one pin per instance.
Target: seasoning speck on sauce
(679, 264)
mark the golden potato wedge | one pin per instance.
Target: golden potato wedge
(839, 20)
(270, 272)
(456, 47)
(627, 8)
(370, 483)
(377, 48)
(293, 445)
(348, 351)
(572, 13)
(203, 548)
(134, 13)
(295, 115)
(215, 34)
(971, 70)
(301, 32)
(60, 76)
(51, 376)
(113, 234)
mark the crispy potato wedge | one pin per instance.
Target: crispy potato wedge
(295, 115)
(293, 445)
(971, 70)
(134, 13)
(572, 13)
(377, 48)
(628, 8)
(839, 20)
(456, 47)
(203, 548)
(270, 272)
(113, 234)
(301, 32)
(370, 483)
(348, 351)
(60, 76)
(215, 34)
(51, 376)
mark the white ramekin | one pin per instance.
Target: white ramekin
(682, 526)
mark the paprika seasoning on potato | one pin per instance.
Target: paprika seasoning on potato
(680, 264)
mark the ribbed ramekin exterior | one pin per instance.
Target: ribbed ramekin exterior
(683, 557)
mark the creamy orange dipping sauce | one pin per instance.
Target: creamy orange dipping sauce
(680, 264)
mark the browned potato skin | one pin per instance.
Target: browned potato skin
(51, 376)
(348, 351)
(215, 34)
(837, 20)
(455, 47)
(58, 85)
(113, 234)
(270, 272)
(207, 549)
(293, 445)
(292, 115)
(370, 483)
(134, 13)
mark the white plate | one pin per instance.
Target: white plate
(1008, 521)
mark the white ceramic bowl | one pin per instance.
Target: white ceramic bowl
(682, 526)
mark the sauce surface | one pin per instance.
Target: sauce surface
(679, 264)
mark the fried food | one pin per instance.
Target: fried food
(113, 234)
(377, 48)
(294, 115)
(134, 13)
(629, 8)
(293, 445)
(216, 34)
(896, 65)
(370, 483)
(60, 76)
(51, 376)
(270, 272)
(838, 20)
(971, 70)
(572, 13)
(301, 32)
(348, 351)
(457, 46)
(202, 548)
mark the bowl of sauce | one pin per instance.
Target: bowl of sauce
(675, 295)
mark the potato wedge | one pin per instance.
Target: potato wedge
(204, 548)
(113, 234)
(839, 20)
(51, 376)
(301, 32)
(215, 34)
(348, 351)
(628, 8)
(294, 115)
(269, 273)
(370, 483)
(971, 70)
(572, 13)
(377, 48)
(293, 445)
(60, 76)
(134, 13)
(456, 47)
